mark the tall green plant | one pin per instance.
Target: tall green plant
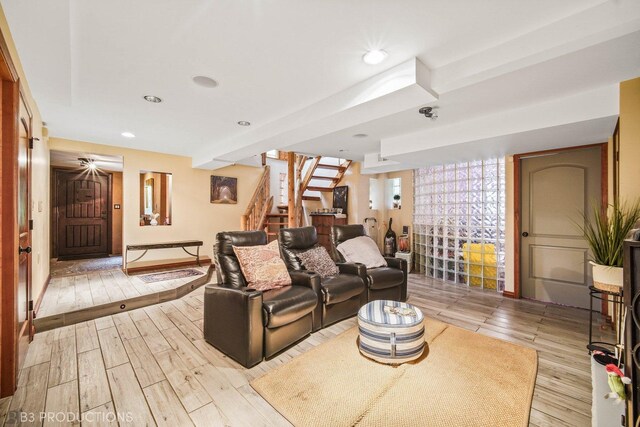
(605, 231)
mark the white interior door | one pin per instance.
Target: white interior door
(555, 190)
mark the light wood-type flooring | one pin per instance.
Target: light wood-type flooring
(152, 366)
(84, 290)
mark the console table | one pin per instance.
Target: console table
(165, 245)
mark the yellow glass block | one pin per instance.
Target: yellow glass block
(485, 254)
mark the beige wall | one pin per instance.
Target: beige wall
(193, 216)
(404, 216)
(39, 176)
(629, 140)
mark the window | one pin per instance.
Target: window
(459, 222)
(393, 193)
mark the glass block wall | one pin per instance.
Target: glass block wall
(459, 223)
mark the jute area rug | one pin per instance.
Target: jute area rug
(462, 379)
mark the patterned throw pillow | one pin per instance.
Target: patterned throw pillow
(317, 259)
(262, 266)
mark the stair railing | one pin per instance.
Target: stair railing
(259, 206)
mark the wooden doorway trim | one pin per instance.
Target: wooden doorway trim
(517, 182)
(9, 132)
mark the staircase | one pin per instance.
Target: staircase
(322, 175)
(260, 205)
(276, 221)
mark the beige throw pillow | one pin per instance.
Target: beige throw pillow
(317, 259)
(262, 266)
(363, 250)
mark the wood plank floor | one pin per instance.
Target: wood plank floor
(76, 292)
(152, 366)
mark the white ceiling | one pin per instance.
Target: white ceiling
(89, 63)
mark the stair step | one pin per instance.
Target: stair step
(275, 223)
(326, 189)
(272, 215)
(315, 199)
(326, 178)
(334, 167)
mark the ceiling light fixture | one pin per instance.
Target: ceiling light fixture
(375, 56)
(244, 123)
(360, 135)
(128, 135)
(88, 163)
(205, 81)
(153, 99)
(429, 112)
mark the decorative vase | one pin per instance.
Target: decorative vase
(607, 278)
(154, 222)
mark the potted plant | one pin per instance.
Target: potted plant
(605, 232)
(396, 201)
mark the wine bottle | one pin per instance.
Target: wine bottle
(390, 241)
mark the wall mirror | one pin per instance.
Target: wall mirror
(155, 198)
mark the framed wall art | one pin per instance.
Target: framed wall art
(224, 190)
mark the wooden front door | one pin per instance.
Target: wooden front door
(82, 200)
(556, 188)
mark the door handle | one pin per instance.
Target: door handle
(525, 234)
(26, 250)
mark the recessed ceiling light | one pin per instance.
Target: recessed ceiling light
(152, 98)
(205, 81)
(128, 135)
(360, 135)
(244, 123)
(374, 57)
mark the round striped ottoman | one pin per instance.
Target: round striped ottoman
(391, 332)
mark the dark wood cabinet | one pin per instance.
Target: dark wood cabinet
(323, 223)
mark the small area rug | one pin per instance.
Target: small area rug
(462, 379)
(81, 266)
(169, 275)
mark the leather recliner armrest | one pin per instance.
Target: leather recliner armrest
(398, 263)
(308, 279)
(233, 322)
(312, 281)
(352, 268)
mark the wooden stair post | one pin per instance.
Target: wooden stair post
(291, 167)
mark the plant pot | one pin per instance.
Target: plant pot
(607, 278)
